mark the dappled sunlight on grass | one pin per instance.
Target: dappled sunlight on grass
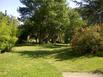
(59, 53)
(37, 58)
(14, 64)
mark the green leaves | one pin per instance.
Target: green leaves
(92, 11)
(75, 23)
(49, 17)
(88, 40)
(8, 32)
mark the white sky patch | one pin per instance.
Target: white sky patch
(72, 4)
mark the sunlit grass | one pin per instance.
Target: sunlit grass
(46, 61)
(15, 65)
(62, 58)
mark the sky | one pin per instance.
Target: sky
(12, 5)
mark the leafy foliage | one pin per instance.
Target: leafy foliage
(86, 41)
(75, 23)
(91, 10)
(48, 19)
(8, 32)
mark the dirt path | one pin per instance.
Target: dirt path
(68, 74)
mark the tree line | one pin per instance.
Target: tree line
(54, 21)
(48, 21)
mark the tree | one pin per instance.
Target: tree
(48, 18)
(76, 23)
(8, 32)
(92, 11)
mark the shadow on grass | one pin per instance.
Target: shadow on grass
(54, 45)
(59, 54)
(99, 71)
(45, 45)
(36, 54)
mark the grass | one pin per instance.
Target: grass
(46, 61)
(17, 65)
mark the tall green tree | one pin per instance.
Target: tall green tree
(48, 18)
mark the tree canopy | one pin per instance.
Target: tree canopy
(48, 20)
(91, 10)
(8, 32)
(48, 17)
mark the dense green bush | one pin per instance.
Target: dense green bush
(87, 40)
(8, 33)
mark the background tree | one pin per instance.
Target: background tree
(49, 17)
(91, 11)
(76, 23)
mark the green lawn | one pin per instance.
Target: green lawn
(46, 61)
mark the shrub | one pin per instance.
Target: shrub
(86, 41)
(8, 33)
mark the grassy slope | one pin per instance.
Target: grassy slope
(45, 61)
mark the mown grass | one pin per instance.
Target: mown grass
(17, 65)
(46, 61)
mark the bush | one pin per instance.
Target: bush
(8, 33)
(86, 41)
